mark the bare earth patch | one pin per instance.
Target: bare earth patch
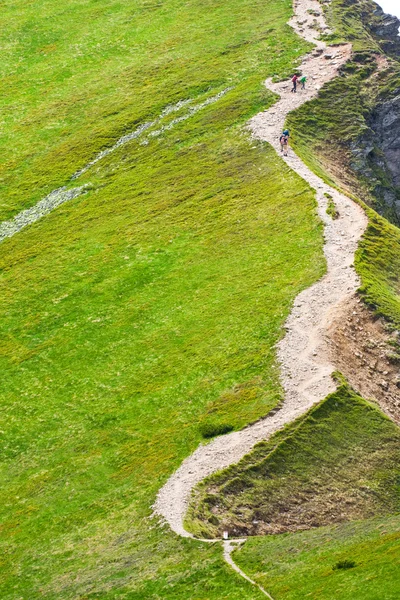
(364, 350)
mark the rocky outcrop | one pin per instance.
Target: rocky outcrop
(386, 29)
(376, 151)
(377, 157)
(386, 125)
(382, 28)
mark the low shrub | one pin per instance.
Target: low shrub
(209, 430)
(344, 564)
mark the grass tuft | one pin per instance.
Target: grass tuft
(209, 430)
(344, 564)
(331, 209)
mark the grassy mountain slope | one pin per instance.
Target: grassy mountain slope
(304, 565)
(74, 76)
(339, 462)
(299, 565)
(135, 315)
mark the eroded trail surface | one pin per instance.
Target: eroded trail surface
(305, 362)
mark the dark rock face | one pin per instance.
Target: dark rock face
(386, 124)
(386, 28)
(376, 153)
(377, 157)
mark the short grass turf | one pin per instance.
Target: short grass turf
(304, 565)
(340, 462)
(378, 264)
(142, 312)
(76, 75)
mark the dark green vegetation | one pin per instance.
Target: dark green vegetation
(344, 564)
(331, 209)
(147, 310)
(340, 462)
(304, 565)
(209, 430)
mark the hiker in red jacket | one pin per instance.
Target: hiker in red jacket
(294, 81)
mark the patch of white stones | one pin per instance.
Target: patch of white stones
(61, 195)
(42, 208)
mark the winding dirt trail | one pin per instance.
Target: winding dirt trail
(303, 354)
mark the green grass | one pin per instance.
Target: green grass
(326, 130)
(331, 209)
(302, 565)
(145, 313)
(147, 310)
(76, 75)
(124, 325)
(378, 264)
(339, 462)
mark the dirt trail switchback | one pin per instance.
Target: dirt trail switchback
(305, 365)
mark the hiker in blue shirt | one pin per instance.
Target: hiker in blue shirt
(284, 142)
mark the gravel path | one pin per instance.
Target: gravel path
(305, 365)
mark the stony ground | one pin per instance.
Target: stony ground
(366, 352)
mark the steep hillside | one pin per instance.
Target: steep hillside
(308, 478)
(142, 313)
(353, 140)
(355, 561)
(75, 76)
(142, 316)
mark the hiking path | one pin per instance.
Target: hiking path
(306, 369)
